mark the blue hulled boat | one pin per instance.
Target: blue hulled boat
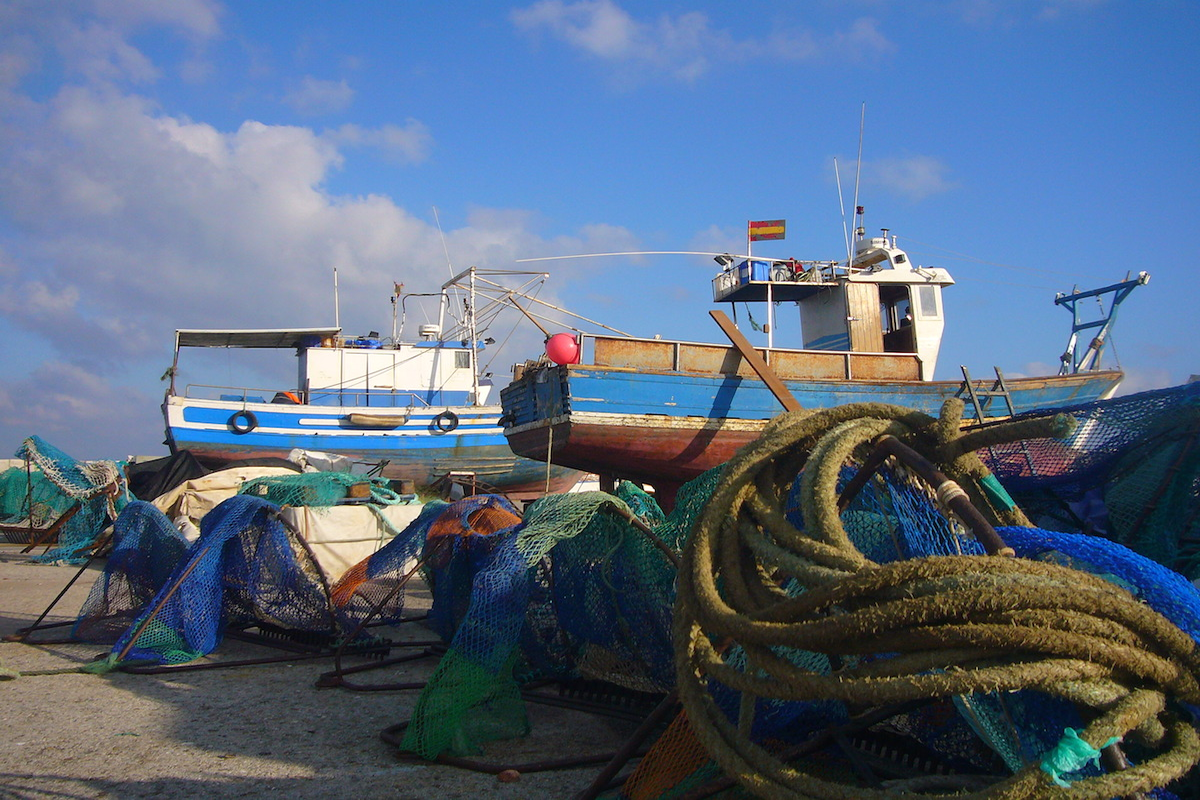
(661, 412)
(417, 411)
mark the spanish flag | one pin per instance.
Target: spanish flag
(768, 229)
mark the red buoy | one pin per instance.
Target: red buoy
(563, 348)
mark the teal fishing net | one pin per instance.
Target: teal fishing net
(54, 485)
(320, 489)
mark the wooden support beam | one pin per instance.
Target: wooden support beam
(756, 362)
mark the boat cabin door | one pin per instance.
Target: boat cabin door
(863, 317)
(896, 313)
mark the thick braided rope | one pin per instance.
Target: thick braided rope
(958, 624)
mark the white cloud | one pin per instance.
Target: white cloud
(123, 421)
(407, 144)
(914, 177)
(315, 97)
(598, 27)
(92, 37)
(1145, 379)
(196, 17)
(122, 223)
(119, 207)
(680, 46)
(1007, 14)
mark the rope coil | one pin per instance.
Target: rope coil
(949, 625)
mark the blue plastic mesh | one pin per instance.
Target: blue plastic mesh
(245, 569)
(145, 551)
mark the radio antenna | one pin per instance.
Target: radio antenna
(842, 206)
(446, 250)
(862, 119)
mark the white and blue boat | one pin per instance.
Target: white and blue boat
(661, 412)
(416, 411)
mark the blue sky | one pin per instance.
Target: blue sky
(189, 163)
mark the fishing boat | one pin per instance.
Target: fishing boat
(420, 411)
(661, 412)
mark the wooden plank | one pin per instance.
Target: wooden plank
(756, 362)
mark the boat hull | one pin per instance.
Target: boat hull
(666, 428)
(424, 446)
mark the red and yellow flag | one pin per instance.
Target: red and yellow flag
(767, 229)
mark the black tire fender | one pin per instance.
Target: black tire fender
(243, 421)
(446, 421)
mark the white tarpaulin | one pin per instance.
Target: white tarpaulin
(188, 502)
(342, 536)
(339, 536)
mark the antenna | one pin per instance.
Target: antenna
(862, 119)
(842, 206)
(449, 266)
(337, 322)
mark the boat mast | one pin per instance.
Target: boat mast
(474, 342)
(1071, 362)
(337, 319)
(858, 230)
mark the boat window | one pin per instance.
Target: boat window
(927, 301)
(462, 359)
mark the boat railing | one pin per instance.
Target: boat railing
(715, 359)
(357, 398)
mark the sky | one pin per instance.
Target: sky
(174, 164)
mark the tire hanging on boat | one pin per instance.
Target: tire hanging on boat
(446, 421)
(243, 421)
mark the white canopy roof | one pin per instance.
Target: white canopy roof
(276, 337)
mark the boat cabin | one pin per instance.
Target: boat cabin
(877, 303)
(338, 370)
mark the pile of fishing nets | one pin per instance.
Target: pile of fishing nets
(164, 602)
(572, 590)
(844, 636)
(146, 549)
(246, 569)
(1129, 472)
(828, 641)
(320, 489)
(53, 484)
(829, 628)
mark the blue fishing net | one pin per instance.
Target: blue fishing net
(1163, 589)
(1129, 472)
(146, 548)
(245, 569)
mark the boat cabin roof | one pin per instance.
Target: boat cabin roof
(281, 338)
(877, 260)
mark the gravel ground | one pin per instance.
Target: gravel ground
(249, 731)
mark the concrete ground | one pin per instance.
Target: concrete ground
(248, 731)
